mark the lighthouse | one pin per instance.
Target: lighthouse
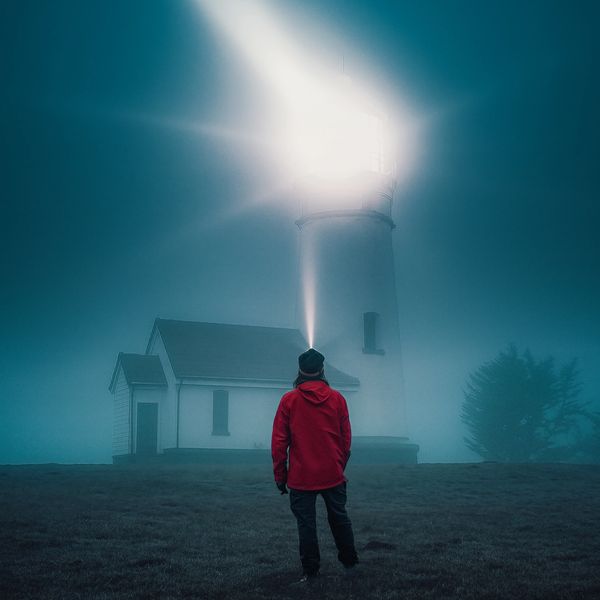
(347, 305)
(332, 137)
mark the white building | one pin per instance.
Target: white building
(209, 391)
(348, 293)
(206, 387)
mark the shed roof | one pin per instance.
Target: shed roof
(140, 369)
(223, 351)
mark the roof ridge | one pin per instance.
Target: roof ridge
(188, 322)
(229, 350)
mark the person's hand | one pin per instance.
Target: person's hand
(281, 487)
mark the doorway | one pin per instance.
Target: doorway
(147, 428)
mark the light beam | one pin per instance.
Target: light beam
(328, 126)
(308, 296)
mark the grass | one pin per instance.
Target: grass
(196, 531)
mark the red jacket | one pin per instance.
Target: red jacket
(312, 421)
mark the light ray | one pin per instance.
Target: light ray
(236, 136)
(332, 127)
(309, 296)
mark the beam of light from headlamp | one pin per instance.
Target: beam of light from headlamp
(308, 296)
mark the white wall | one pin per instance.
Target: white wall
(251, 413)
(120, 439)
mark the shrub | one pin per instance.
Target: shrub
(518, 409)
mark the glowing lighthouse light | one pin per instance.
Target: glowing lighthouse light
(338, 136)
(327, 126)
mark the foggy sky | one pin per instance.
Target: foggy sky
(110, 220)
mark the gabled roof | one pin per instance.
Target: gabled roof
(223, 351)
(143, 369)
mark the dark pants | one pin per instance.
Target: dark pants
(302, 503)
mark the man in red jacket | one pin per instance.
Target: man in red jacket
(312, 423)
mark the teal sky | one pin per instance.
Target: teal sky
(109, 219)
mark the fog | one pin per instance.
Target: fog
(140, 181)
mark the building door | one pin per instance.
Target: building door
(147, 428)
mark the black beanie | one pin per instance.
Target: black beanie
(311, 362)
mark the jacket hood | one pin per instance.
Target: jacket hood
(315, 392)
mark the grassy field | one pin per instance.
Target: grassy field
(196, 531)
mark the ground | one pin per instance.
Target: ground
(476, 531)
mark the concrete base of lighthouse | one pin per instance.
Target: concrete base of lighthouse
(369, 450)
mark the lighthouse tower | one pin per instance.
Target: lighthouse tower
(347, 299)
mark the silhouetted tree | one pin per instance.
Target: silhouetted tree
(518, 409)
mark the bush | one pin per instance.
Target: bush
(518, 409)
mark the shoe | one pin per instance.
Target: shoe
(351, 571)
(306, 579)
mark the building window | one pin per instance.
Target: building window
(371, 325)
(220, 412)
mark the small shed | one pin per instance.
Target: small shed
(138, 385)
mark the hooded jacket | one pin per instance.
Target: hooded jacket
(312, 422)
